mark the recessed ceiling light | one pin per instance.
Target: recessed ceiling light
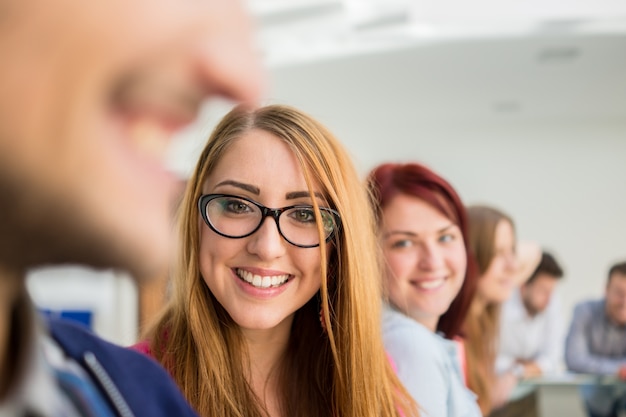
(507, 106)
(559, 54)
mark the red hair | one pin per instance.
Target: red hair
(388, 180)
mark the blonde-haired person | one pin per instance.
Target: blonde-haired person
(279, 316)
(503, 264)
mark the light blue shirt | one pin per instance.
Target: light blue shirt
(595, 345)
(427, 365)
(538, 338)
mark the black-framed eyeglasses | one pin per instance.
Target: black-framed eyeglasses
(238, 217)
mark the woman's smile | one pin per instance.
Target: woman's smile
(262, 281)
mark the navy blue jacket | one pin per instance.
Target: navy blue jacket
(134, 384)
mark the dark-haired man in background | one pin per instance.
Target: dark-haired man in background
(531, 327)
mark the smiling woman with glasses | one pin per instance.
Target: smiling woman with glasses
(276, 310)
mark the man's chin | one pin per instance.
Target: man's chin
(145, 260)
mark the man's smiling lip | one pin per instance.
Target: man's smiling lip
(171, 99)
(170, 116)
(150, 111)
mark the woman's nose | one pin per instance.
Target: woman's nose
(430, 257)
(267, 242)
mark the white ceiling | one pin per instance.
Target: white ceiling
(438, 58)
(532, 76)
(292, 30)
(438, 61)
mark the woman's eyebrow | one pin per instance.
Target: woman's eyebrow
(256, 191)
(300, 194)
(448, 227)
(399, 232)
(413, 234)
(247, 187)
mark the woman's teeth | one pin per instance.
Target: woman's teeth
(430, 284)
(262, 281)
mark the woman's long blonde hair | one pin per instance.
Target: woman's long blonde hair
(340, 371)
(481, 325)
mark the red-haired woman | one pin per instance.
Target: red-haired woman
(429, 280)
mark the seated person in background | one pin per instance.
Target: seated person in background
(430, 279)
(502, 266)
(596, 343)
(277, 316)
(531, 325)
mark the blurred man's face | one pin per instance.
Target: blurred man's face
(616, 298)
(536, 295)
(90, 94)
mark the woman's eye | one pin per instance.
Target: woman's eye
(236, 206)
(398, 244)
(304, 215)
(448, 237)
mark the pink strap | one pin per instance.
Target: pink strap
(143, 347)
(460, 351)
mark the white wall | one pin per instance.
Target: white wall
(111, 296)
(563, 183)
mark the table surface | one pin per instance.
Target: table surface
(571, 379)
